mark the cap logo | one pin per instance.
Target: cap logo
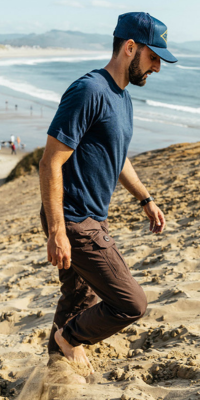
(164, 36)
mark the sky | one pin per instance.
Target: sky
(98, 16)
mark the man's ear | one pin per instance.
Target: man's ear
(130, 48)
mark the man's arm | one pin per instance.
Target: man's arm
(51, 185)
(129, 179)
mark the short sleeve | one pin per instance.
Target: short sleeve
(78, 109)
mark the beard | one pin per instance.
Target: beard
(136, 77)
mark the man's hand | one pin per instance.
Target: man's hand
(132, 183)
(59, 250)
(157, 219)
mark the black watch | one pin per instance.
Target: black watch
(146, 201)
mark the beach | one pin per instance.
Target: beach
(8, 161)
(25, 51)
(156, 358)
(32, 81)
(29, 108)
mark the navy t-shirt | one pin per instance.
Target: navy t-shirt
(95, 118)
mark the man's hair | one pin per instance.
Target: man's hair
(118, 43)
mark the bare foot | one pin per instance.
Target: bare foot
(60, 372)
(75, 354)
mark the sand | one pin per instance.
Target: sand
(25, 51)
(156, 358)
(8, 161)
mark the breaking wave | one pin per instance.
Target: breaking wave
(35, 61)
(30, 90)
(176, 107)
(173, 107)
(191, 68)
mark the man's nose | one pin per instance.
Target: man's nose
(156, 66)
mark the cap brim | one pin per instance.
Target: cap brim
(164, 54)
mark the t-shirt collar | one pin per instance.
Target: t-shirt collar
(111, 81)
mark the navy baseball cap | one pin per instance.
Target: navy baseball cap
(143, 28)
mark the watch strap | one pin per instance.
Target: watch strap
(146, 201)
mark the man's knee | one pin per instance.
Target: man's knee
(138, 306)
(142, 305)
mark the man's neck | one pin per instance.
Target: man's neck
(118, 73)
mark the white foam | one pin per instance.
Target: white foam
(160, 121)
(184, 67)
(35, 61)
(174, 107)
(186, 55)
(30, 90)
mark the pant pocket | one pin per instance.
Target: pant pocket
(112, 256)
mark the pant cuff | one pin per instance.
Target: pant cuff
(69, 337)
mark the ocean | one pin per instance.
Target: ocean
(166, 109)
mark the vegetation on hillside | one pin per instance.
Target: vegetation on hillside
(28, 164)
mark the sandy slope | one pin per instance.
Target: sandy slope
(156, 358)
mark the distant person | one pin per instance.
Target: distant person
(85, 155)
(6, 103)
(31, 111)
(16, 107)
(13, 148)
(12, 139)
(18, 142)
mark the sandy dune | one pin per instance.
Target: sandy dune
(156, 358)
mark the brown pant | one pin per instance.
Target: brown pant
(97, 269)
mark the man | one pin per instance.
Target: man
(84, 157)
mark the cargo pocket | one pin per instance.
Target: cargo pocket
(103, 240)
(107, 247)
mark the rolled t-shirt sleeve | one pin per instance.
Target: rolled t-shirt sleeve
(78, 109)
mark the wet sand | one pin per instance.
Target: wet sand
(156, 358)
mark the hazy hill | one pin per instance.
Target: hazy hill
(10, 36)
(80, 40)
(189, 47)
(65, 39)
